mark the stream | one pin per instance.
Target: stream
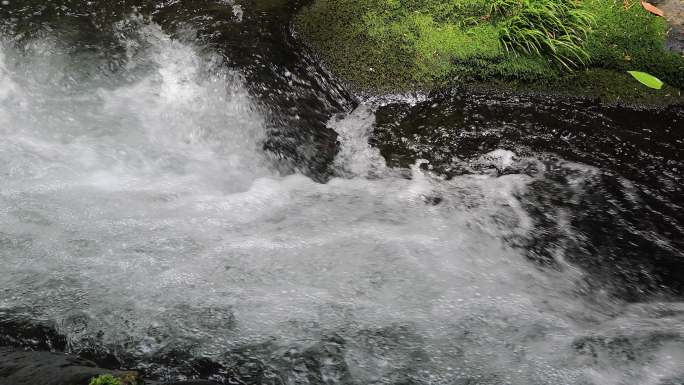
(186, 191)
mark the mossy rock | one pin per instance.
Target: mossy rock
(126, 378)
(400, 45)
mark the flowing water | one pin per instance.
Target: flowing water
(147, 213)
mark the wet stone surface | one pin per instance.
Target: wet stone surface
(674, 14)
(452, 130)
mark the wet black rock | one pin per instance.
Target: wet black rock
(32, 353)
(621, 347)
(17, 331)
(626, 221)
(18, 367)
(257, 37)
(321, 363)
(458, 124)
(45, 368)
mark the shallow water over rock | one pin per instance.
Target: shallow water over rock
(178, 200)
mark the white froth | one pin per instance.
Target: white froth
(356, 156)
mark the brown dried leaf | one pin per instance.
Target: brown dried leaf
(652, 8)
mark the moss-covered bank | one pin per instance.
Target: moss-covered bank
(394, 45)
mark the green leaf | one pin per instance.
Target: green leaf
(647, 79)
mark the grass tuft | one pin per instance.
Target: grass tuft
(555, 29)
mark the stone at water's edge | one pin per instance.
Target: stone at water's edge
(674, 14)
(45, 368)
(279, 72)
(452, 130)
(21, 333)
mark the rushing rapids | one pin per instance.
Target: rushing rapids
(164, 203)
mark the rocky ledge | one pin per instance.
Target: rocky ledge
(19, 367)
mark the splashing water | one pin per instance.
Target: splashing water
(139, 207)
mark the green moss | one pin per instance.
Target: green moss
(124, 378)
(629, 38)
(610, 86)
(394, 45)
(105, 379)
(399, 43)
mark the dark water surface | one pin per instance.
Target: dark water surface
(185, 191)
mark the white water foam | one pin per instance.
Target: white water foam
(146, 211)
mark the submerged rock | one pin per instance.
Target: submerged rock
(17, 331)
